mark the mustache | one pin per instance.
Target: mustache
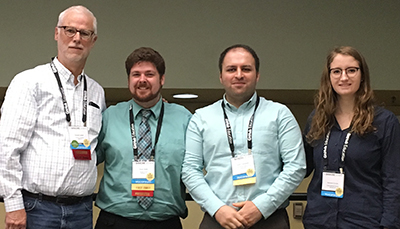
(143, 84)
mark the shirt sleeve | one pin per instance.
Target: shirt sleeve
(19, 114)
(390, 173)
(292, 155)
(100, 154)
(192, 170)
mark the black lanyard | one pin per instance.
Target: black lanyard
(249, 129)
(344, 150)
(134, 139)
(65, 104)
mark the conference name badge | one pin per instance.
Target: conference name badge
(80, 144)
(332, 184)
(243, 171)
(143, 177)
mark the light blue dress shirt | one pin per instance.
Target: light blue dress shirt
(115, 150)
(278, 153)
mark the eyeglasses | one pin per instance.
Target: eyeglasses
(71, 31)
(337, 72)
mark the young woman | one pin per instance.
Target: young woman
(353, 147)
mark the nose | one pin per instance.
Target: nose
(77, 36)
(239, 74)
(344, 74)
(142, 77)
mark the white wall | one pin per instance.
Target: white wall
(292, 38)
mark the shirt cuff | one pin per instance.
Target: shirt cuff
(264, 204)
(14, 204)
(214, 206)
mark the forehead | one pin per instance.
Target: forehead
(238, 56)
(341, 60)
(144, 66)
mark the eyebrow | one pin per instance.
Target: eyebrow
(145, 71)
(344, 68)
(246, 65)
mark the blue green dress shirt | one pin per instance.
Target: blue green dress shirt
(278, 153)
(115, 150)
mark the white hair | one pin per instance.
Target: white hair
(79, 9)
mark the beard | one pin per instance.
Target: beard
(147, 96)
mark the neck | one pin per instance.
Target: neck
(75, 68)
(237, 101)
(345, 112)
(345, 106)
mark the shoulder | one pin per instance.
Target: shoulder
(383, 115)
(311, 116)
(267, 102)
(176, 108)
(117, 108)
(177, 112)
(210, 109)
(34, 74)
(271, 107)
(207, 117)
(30, 79)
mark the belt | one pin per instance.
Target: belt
(133, 223)
(63, 200)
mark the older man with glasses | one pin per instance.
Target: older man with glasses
(50, 120)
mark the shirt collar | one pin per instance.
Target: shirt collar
(64, 73)
(246, 105)
(155, 109)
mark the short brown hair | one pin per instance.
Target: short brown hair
(145, 54)
(245, 47)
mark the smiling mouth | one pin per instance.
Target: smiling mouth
(142, 88)
(238, 84)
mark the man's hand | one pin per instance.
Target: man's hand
(249, 211)
(229, 218)
(16, 219)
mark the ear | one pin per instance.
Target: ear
(220, 78)
(94, 39)
(162, 79)
(258, 76)
(56, 34)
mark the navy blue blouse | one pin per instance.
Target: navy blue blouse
(372, 178)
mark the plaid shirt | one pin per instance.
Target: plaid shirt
(35, 152)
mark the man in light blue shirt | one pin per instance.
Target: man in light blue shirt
(250, 149)
(125, 200)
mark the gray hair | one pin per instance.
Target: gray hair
(79, 9)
